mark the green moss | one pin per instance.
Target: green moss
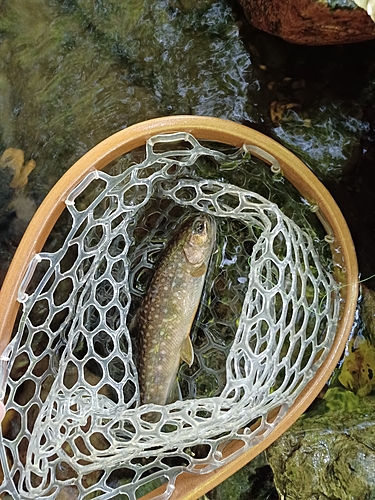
(327, 456)
(254, 480)
(234, 487)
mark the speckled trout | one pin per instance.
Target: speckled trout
(164, 319)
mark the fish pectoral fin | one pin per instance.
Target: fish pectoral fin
(200, 271)
(187, 353)
(175, 393)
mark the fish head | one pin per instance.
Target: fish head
(201, 235)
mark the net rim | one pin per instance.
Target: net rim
(227, 132)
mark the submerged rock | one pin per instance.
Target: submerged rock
(311, 22)
(194, 63)
(326, 136)
(327, 456)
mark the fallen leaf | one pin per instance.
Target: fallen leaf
(358, 369)
(15, 159)
(277, 110)
(20, 180)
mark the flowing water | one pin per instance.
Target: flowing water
(73, 72)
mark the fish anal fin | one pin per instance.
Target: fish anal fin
(187, 353)
(200, 271)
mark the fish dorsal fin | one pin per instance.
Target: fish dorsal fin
(187, 353)
(200, 271)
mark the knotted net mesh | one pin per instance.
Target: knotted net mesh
(266, 321)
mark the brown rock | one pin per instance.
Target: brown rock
(310, 22)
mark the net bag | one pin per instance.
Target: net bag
(266, 322)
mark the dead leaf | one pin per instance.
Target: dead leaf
(20, 180)
(15, 159)
(358, 369)
(277, 110)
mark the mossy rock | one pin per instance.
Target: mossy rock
(327, 456)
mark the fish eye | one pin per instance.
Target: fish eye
(198, 226)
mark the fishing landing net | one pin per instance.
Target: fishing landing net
(267, 319)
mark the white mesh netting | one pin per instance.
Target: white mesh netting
(267, 319)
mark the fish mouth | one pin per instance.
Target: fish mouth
(209, 223)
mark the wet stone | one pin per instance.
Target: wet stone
(311, 22)
(327, 456)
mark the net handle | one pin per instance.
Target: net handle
(227, 132)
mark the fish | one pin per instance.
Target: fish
(164, 319)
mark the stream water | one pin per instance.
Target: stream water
(73, 72)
